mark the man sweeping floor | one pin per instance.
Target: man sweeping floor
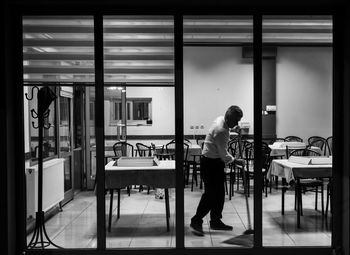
(215, 157)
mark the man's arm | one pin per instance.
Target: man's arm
(221, 143)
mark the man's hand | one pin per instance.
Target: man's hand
(239, 161)
(236, 129)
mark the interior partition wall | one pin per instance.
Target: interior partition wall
(99, 82)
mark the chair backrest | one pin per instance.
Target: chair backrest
(292, 138)
(329, 142)
(319, 142)
(233, 147)
(187, 141)
(200, 142)
(303, 152)
(123, 149)
(278, 139)
(266, 159)
(248, 150)
(144, 150)
(170, 148)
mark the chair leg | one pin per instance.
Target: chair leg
(300, 202)
(316, 198)
(282, 209)
(239, 172)
(110, 210)
(167, 209)
(195, 173)
(226, 190)
(192, 179)
(327, 200)
(270, 182)
(248, 184)
(322, 198)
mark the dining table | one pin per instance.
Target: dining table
(293, 171)
(139, 171)
(278, 149)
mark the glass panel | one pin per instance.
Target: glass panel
(218, 73)
(139, 121)
(78, 127)
(142, 221)
(64, 131)
(58, 50)
(297, 114)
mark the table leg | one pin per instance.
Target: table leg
(110, 210)
(298, 202)
(118, 212)
(167, 210)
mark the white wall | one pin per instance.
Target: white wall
(214, 79)
(304, 92)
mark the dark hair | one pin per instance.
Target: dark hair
(234, 110)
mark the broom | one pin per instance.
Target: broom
(246, 239)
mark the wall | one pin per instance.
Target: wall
(304, 92)
(214, 79)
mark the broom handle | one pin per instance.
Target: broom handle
(244, 182)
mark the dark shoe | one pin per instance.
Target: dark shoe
(219, 225)
(197, 228)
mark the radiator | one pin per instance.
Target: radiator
(53, 185)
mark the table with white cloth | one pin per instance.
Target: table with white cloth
(278, 149)
(159, 175)
(293, 171)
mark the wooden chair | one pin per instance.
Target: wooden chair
(194, 162)
(234, 172)
(248, 156)
(329, 142)
(122, 148)
(304, 185)
(318, 141)
(293, 138)
(144, 150)
(170, 150)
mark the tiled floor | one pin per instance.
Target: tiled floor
(142, 222)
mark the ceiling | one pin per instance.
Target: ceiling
(140, 49)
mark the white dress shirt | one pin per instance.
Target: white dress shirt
(215, 144)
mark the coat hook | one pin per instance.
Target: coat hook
(47, 126)
(32, 93)
(35, 127)
(34, 114)
(46, 114)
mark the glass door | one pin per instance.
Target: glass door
(65, 140)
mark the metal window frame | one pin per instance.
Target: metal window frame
(178, 32)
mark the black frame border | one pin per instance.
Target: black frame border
(16, 16)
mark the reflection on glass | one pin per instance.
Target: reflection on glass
(297, 113)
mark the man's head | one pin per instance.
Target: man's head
(233, 114)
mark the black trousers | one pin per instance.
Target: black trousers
(213, 198)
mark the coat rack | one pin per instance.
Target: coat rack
(45, 96)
